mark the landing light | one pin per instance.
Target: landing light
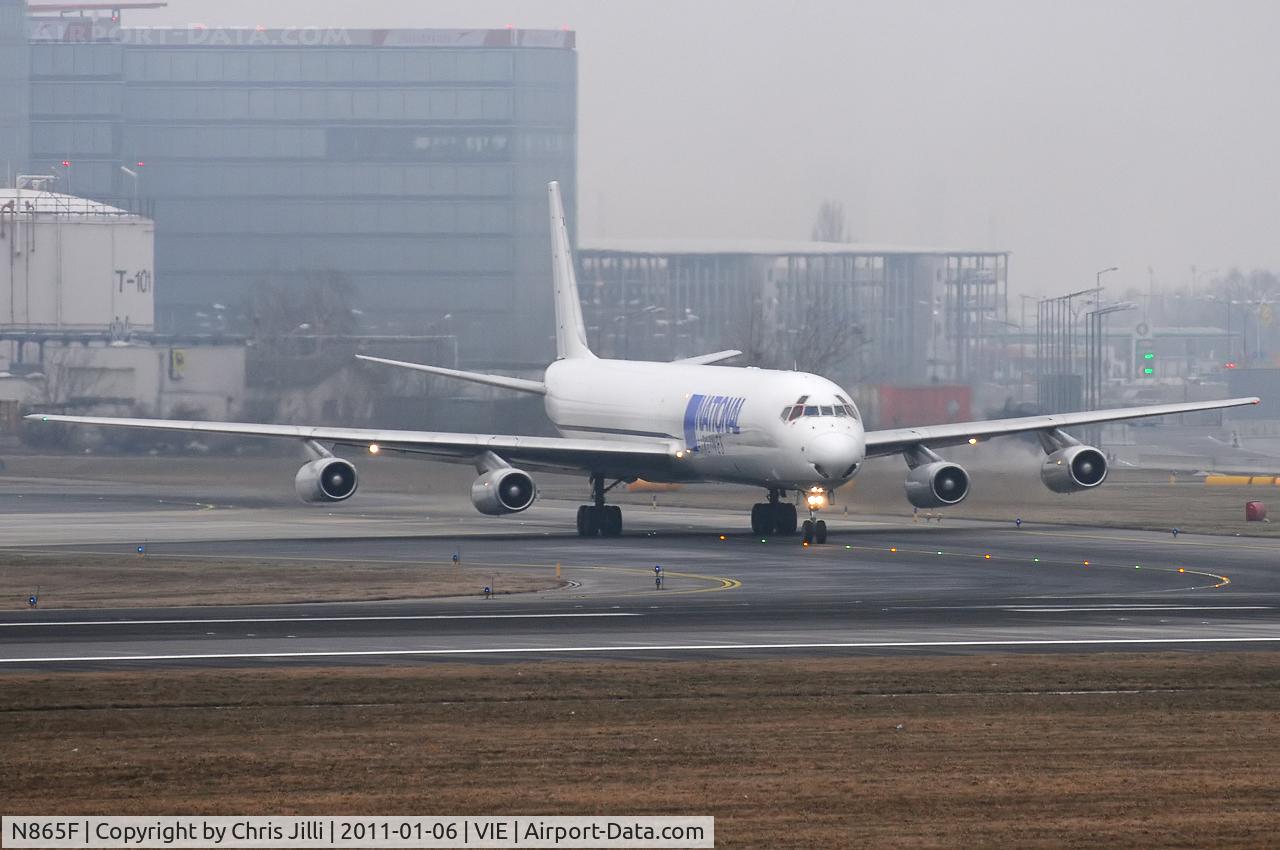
(816, 500)
(680, 455)
(374, 448)
(973, 441)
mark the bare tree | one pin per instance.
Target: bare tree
(830, 224)
(302, 332)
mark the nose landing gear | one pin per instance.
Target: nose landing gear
(774, 516)
(814, 531)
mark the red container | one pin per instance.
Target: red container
(937, 404)
(1255, 511)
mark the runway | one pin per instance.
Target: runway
(883, 585)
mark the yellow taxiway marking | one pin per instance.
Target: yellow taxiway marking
(1219, 580)
(722, 583)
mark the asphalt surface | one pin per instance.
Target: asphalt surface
(880, 586)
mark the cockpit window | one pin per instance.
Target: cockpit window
(840, 410)
(825, 410)
(811, 410)
(791, 412)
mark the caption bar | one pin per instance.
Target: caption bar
(371, 832)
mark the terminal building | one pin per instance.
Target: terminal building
(860, 314)
(407, 165)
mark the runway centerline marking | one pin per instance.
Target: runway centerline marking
(711, 647)
(376, 618)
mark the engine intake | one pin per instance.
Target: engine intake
(937, 485)
(1073, 469)
(329, 479)
(503, 491)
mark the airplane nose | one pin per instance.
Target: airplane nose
(835, 455)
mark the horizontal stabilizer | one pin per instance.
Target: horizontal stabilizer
(517, 384)
(708, 359)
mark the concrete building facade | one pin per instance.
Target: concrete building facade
(857, 313)
(409, 164)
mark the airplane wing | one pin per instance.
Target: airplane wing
(708, 359)
(632, 458)
(880, 443)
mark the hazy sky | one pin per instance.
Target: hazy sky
(1077, 135)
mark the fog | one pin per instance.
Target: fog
(1077, 135)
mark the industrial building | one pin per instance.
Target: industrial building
(73, 265)
(857, 313)
(77, 306)
(407, 165)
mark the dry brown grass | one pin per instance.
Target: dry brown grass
(1169, 750)
(75, 580)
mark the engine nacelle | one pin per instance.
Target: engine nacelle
(503, 491)
(1073, 469)
(329, 479)
(937, 485)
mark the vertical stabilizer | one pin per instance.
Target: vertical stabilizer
(571, 332)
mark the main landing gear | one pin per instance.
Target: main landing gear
(774, 516)
(599, 518)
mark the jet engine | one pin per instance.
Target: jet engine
(937, 485)
(329, 479)
(503, 491)
(1073, 469)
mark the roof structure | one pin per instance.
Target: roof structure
(57, 204)
(761, 247)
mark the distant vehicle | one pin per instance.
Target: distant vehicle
(684, 421)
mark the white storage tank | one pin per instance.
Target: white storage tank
(72, 264)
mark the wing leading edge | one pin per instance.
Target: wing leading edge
(610, 457)
(894, 440)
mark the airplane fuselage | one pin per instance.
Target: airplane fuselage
(789, 430)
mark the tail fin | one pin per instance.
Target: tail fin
(571, 332)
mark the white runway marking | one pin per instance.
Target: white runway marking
(1107, 609)
(388, 617)
(712, 647)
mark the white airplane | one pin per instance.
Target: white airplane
(685, 421)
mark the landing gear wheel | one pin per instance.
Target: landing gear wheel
(786, 519)
(611, 521)
(820, 531)
(760, 520)
(806, 531)
(588, 521)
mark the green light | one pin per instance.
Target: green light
(1149, 355)
(847, 546)
(1036, 560)
(762, 540)
(1148, 371)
